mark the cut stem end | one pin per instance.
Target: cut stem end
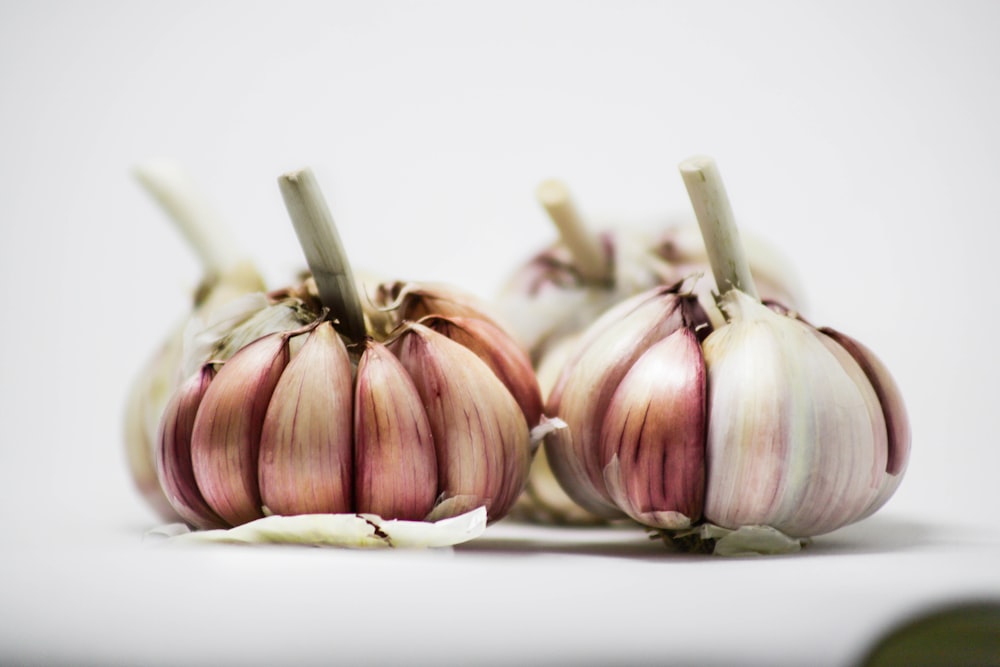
(718, 225)
(188, 207)
(584, 246)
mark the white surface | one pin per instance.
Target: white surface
(860, 137)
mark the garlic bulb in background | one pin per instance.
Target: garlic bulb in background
(227, 276)
(562, 289)
(354, 412)
(756, 433)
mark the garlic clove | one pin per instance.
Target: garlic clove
(504, 356)
(893, 409)
(480, 433)
(801, 443)
(653, 436)
(582, 394)
(225, 442)
(394, 447)
(147, 398)
(305, 458)
(173, 452)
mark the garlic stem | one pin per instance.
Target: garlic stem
(718, 226)
(324, 251)
(202, 227)
(585, 247)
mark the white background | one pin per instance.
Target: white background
(860, 137)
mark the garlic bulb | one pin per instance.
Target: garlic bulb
(565, 287)
(561, 291)
(410, 419)
(769, 424)
(227, 277)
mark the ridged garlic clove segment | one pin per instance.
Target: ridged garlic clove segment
(582, 395)
(225, 443)
(893, 409)
(500, 352)
(480, 433)
(796, 435)
(397, 469)
(653, 435)
(173, 452)
(305, 456)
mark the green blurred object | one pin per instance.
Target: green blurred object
(958, 635)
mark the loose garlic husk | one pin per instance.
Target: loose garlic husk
(770, 428)
(405, 419)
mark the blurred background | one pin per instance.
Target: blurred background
(860, 138)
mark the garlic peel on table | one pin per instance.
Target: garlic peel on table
(361, 531)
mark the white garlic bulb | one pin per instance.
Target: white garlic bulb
(768, 427)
